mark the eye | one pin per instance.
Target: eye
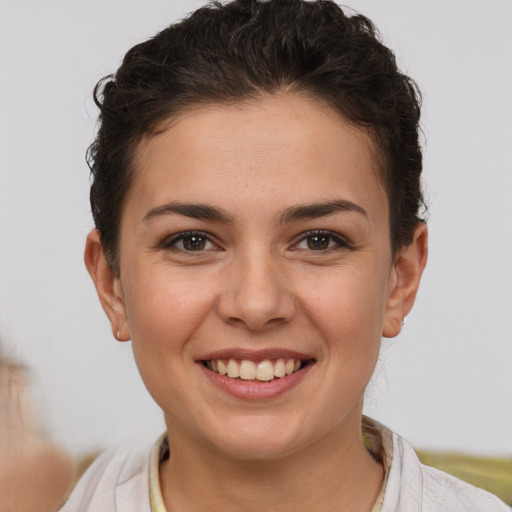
(320, 241)
(190, 241)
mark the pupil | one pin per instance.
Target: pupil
(194, 242)
(318, 242)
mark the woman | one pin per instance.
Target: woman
(256, 194)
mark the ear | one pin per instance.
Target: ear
(404, 281)
(107, 286)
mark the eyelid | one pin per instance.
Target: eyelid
(170, 241)
(340, 240)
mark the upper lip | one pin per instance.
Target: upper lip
(254, 355)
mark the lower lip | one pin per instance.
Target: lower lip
(253, 390)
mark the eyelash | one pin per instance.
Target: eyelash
(339, 241)
(173, 241)
(204, 239)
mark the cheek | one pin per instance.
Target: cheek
(347, 305)
(347, 310)
(164, 313)
(165, 309)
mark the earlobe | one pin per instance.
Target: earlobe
(404, 281)
(107, 286)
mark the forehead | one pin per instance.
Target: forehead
(298, 146)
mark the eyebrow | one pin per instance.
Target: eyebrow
(192, 210)
(294, 213)
(316, 210)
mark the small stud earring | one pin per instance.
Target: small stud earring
(403, 321)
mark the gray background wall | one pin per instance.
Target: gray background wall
(445, 382)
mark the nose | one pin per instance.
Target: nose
(256, 293)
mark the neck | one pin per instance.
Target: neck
(335, 473)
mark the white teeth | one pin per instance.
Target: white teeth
(279, 370)
(221, 367)
(265, 370)
(245, 369)
(233, 369)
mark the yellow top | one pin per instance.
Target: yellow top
(159, 452)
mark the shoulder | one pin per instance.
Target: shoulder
(412, 487)
(116, 481)
(441, 489)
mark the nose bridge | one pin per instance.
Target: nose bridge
(256, 293)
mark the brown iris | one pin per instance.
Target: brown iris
(318, 242)
(194, 242)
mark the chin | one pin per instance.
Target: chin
(254, 440)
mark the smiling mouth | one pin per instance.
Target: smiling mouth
(264, 371)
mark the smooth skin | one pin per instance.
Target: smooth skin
(254, 226)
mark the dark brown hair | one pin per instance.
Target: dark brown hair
(238, 51)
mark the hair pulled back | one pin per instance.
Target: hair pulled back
(238, 51)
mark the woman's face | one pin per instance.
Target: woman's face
(254, 235)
